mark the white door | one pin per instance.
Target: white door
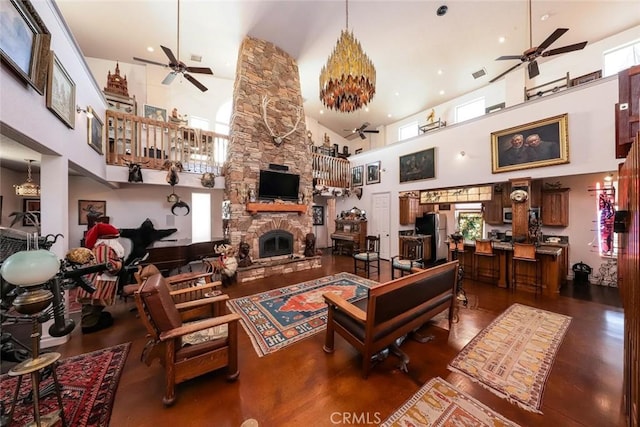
(379, 222)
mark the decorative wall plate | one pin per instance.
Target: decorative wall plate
(519, 196)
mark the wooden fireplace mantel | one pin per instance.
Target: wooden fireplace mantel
(254, 208)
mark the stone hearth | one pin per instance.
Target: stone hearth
(261, 269)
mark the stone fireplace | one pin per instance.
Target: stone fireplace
(264, 70)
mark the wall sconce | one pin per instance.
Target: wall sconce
(88, 111)
(461, 155)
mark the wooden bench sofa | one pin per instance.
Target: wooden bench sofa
(391, 310)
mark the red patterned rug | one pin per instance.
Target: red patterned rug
(89, 382)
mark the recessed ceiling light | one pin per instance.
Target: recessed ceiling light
(389, 115)
(150, 49)
(397, 93)
(439, 72)
(321, 111)
(501, 40)
(442, 92)
(544, 17)
(228, 64)
(366, 109)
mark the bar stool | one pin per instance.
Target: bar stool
(456, 247)
(524, 255)
(484, 254)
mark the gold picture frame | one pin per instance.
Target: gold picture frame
(541, 143)
(94, 130)
(61, 92)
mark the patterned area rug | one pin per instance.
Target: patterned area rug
(438, 403)
(512, 357)
(89, 382)
(281, 317)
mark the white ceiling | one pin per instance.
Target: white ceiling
(406, 41)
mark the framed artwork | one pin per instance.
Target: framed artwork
(586, 78)
(90, 206)
(30, 205)
(536, 144)
(418, 166)
(61, 92)
(24, 42)
(155, 113)
(357, 176)
(444, 207)
(94, 131)
(373, 173)
(318, 215)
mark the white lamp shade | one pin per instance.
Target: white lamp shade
(30, 268)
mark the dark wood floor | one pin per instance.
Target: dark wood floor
(303, 386)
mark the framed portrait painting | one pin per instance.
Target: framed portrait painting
(532, 145)
(96, 207)
(357, 176)
(373, 173)
(318, 215)
(61, 92)
(155, 113)
(94, 131)
(24, 42)
(418, 166)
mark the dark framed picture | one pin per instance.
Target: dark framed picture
(586, 78)
(93, 207)
(373, 173)
(418, 166)
(536, 144)
(155, 113)
(61, 92)
(357, 176)
(24, 42)
(33, 206)
(444, 207)
(94, 131)
(318, 215)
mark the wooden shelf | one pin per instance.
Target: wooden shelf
(254, 208)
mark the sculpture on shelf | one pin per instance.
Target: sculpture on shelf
(244, 259)
(310, 245)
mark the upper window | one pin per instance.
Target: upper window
(408, 131)
(621, 58)
(470, 110)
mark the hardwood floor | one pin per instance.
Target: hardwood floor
(302, 386)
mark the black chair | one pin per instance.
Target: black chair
(368, 257)
(410, 257)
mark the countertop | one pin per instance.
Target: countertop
(554, 249)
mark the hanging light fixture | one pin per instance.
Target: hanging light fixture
(348, 80)
(28, 188)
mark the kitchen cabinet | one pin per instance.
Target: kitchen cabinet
(493, 209)
(409, 208)
(535, 193)
(555, 207)
(506, 191)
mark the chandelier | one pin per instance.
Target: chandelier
(28, 188)
(348, 80)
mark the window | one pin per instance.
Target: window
(200, 217)
(621, 58)
(470, 110)
(198, 123)
(469, 220)
(408, 131)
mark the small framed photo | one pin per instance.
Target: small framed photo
(357, 176)
(318, 215)
(94, 131)
(30, 205)
(61, 92)
(373, 173)
(444, 207)
(155, 113)
(97, 208)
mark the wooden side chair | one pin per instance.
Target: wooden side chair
(186, 350)
(485, 260)
(524, 258)
(411, 257)
(368, 257)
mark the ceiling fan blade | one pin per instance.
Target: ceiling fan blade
(364, 126)
(553, 37)
(170, 77)
(195, 82)
(371, 131)
(502, 58)
(150, 62)
(565, 49)
(362, 135)
(506, 72)
(170, 55)
(533, 69)
(201, 70)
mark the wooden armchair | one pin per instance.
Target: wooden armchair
(368, 257)
(186, 350)
(411, 257)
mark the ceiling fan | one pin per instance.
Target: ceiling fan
(177, 66)
(360, 131)
(531, 55)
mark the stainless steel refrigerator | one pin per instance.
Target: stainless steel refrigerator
(435, 225)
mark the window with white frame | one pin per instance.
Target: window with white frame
(469, 220)
(408, 131)
(621, 58)
(469, 110)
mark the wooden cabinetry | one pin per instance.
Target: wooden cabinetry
(535, 193)
(493, 208)
(409, 207)
(506, 191)
(555, 207)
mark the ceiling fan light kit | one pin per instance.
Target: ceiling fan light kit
(348, 80)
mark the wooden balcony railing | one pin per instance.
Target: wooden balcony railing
(331, 171)
(151, 143)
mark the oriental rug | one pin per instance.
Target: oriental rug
(89, 382)
(283, 316)
(439, 403)
(512, 357)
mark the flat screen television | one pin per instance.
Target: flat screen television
(278, 185)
